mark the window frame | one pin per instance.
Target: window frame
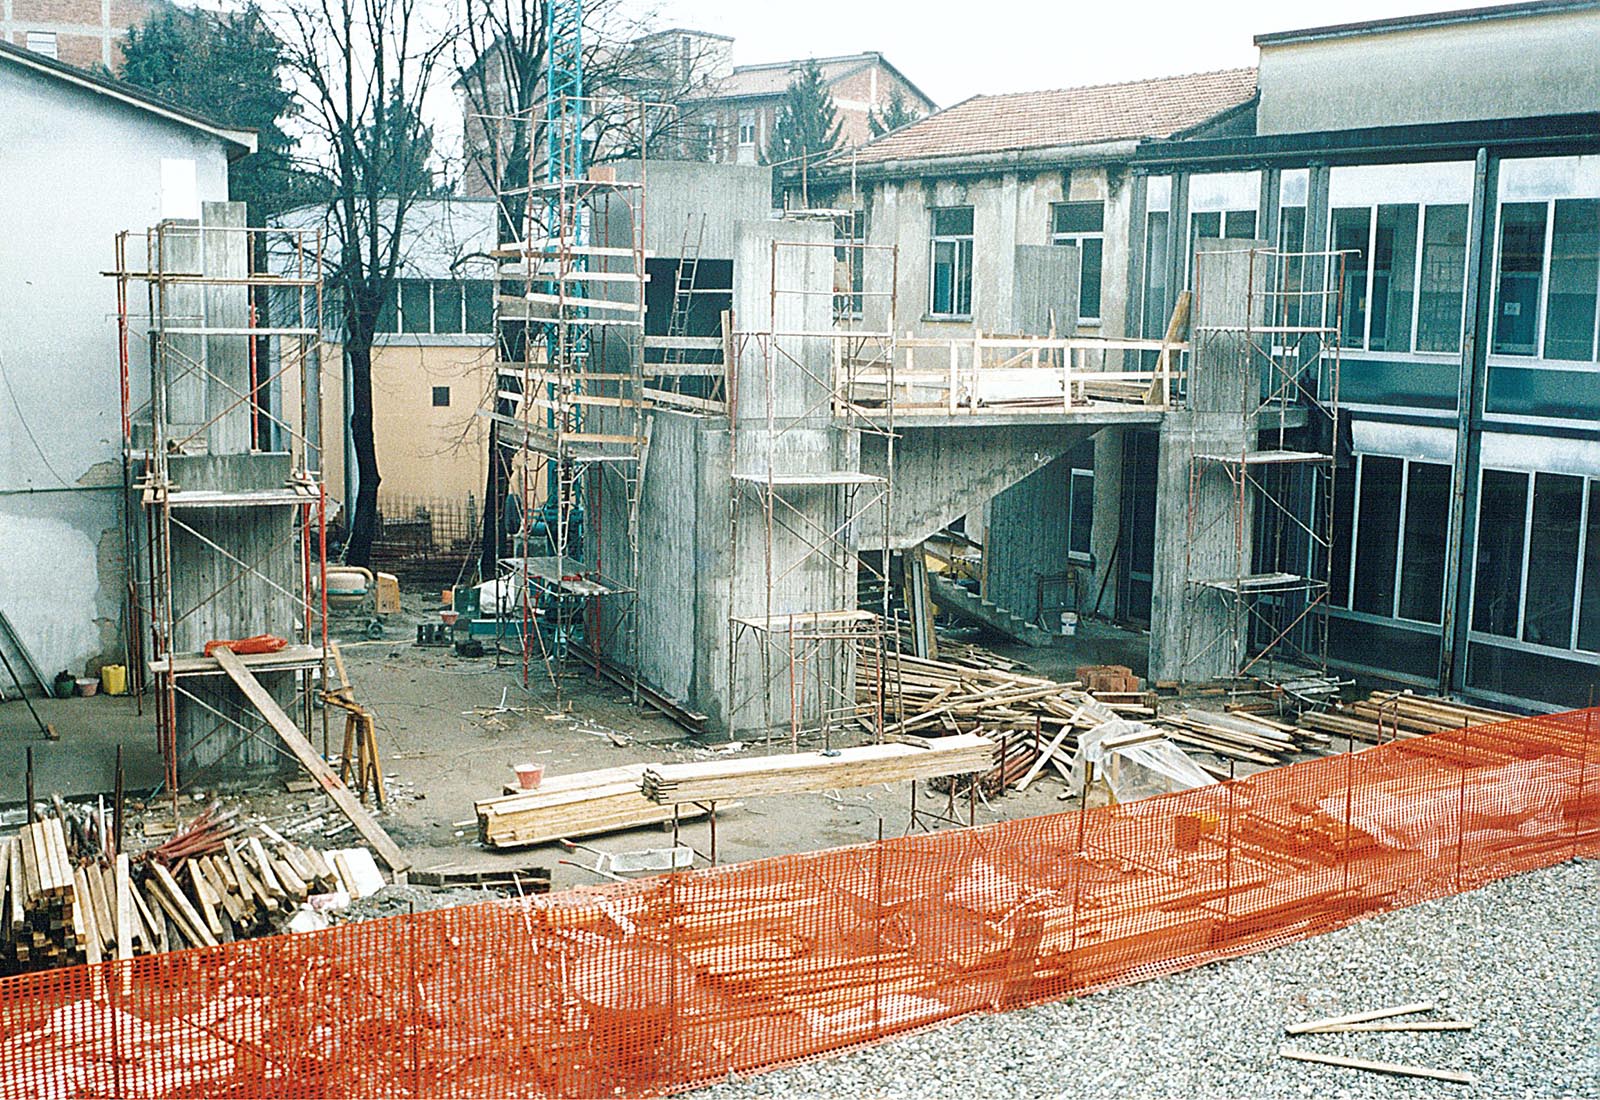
(1348, 596)
(1589, 487)
(1537, 358)
(1074, 475)
(54, 38)
(1365, 346)
(437, 390)
(1074, 239)
(963, 260)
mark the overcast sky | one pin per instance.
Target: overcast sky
(953, 49)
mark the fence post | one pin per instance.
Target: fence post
(877, 933)
(1583, 773)
(1349, 800)
(1227, 859)
(411, 1001)
(1077, 886)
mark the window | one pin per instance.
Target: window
(415, 314)
(42, 42)
(1538, 561)
(1388, 540)
(708, 139)
(747, 127)
(950, 277)
(441, 397)
(480, 305)
(1516, 304)
(1442, 278)
(1080, 515)
(447, 307)
(1574, 267)
(1082, 226)
(1291, 242)
(1502, 521)
(1351, 228)
(1394, 259)
(1155, 273)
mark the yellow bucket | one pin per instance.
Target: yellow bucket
(114, 679)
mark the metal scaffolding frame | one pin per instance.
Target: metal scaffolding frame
(570, 400)
(813, 650)
(187, 307)
(1281, 483)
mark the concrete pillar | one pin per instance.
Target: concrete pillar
(1198, 630)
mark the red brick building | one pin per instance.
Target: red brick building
(80, 32)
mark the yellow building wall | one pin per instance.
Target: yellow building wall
(425, 452)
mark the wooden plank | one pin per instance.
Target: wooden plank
(1397, 1068)
(202, 894)
(194, 927)
(1048, 754)
(1359, 1017)
(155, 931)
(318, 768)
(1399, 1025)
(124, 903)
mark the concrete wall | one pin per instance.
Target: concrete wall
(75, 169)
(1470, 69)
(676, 190)
(1009, 210)
(1196, 632)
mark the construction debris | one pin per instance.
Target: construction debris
(580, 804)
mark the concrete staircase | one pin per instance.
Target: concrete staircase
(967, 605)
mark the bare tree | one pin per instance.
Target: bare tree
(362, 69)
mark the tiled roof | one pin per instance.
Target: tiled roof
(1068, 116)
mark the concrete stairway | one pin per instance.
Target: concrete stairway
(967, 605)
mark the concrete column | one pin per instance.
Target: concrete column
(1198, 630)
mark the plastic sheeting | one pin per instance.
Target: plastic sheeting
(1135, 761)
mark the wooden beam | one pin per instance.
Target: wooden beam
(1397, 1068)
(314, 765)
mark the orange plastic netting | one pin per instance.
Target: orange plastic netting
(672, 981)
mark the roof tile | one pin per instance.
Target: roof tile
(1068, 116)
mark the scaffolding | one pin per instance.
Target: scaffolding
(569, 401)
(799, 492)
(1272, 585)
(225, 507)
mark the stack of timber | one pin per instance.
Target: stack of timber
(68, 896)
(567, 806)
(792, 773)
(1239, 735)
(1386, 716)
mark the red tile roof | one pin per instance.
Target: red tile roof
(1068, 116)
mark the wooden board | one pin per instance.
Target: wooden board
(318, 768)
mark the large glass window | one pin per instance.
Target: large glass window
(1574, 267)
(1352, 226)
(1155, 273)
(1344, 525)
(1291, 242)
(389, 311)
(1552, 560)
(415, 313)
(1502, 522)
(1377, 535)
(1082, 226)
(1516, 303)
(1427, 516)
(1442, 278)
(1394, 259)
(1589, 609)
(950, 282)
(480, 305)
(446, 306)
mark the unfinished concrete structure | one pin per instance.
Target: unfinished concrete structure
(226, 534)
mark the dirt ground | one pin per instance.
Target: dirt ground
(454, 728)
(451, 730)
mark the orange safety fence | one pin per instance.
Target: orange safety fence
(661, 984)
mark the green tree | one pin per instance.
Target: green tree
(894, 116)
(807, 125)
(398, 156)
(226, 66)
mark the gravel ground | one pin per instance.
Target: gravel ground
(1521, 957)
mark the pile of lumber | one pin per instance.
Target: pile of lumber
(1386, 716)
(566, 806)
(939, 697)
(792, 773)
(1238, 735)
(66, 899)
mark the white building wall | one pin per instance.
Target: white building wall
(76, 168)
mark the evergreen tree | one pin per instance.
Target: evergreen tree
(894, 116)
(807, 124)
(398, 157)
(226, 66)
